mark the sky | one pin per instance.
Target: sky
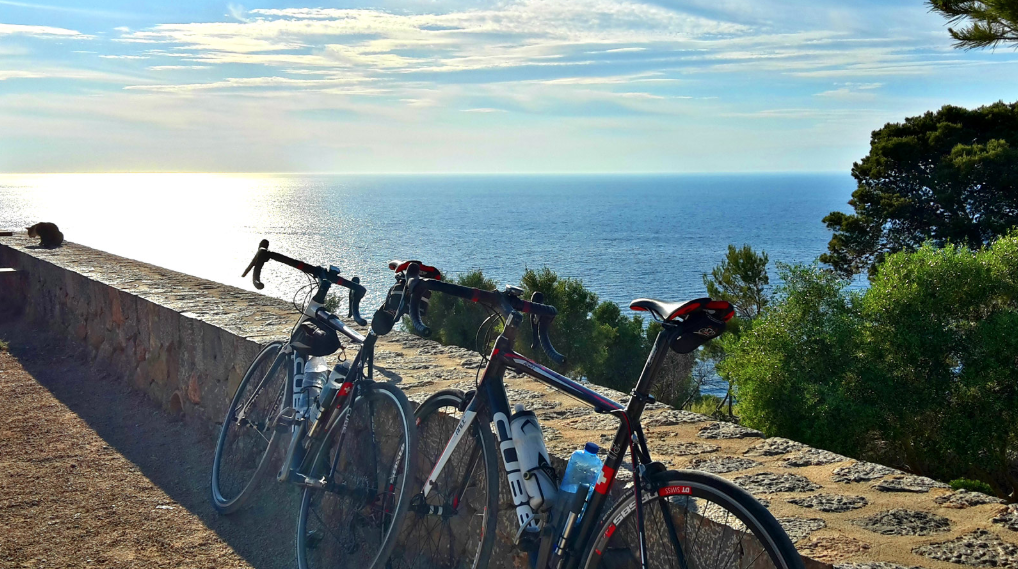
(511, 86)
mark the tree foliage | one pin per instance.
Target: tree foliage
(919, 370)
(947, 177)
(741, 279)
(797, 372)
(987, 22)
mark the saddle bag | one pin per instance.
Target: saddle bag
(698, 329)
(312, 339)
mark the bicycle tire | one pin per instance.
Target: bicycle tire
(267, 397)
(366, 459)
(463, 540)
(696, 502)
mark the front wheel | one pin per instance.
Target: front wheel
(247, 440)
(693, 520)
(454, 528)
(366, 464)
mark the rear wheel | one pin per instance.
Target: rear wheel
(247, 440)
(365, 463)
(694, 520)
(455, 526)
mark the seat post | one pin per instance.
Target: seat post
(655, 360)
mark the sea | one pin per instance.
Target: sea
(624, 236)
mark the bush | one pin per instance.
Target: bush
(797, 371)
(941, 330)
(971, 486)
(917, 371)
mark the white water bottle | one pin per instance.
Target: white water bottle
(533, 458)
(316, 373)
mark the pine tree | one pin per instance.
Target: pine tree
(987, 22)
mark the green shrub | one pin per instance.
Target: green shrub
(917, 371)
(971, 485)
(797, 371)
(4, 346)
(941, 331)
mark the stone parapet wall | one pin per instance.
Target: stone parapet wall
(186, 342)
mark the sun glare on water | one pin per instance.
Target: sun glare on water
(198, 223)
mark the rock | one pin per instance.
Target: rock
(1007, 517)
(908, 483)
(965, 499)
(727, 431)
(567, 413)
(812, 457)
(861, 472)
(673, 417)
(722, 464)
(770, 483)
(683, 448)
(900, 521)
(830, 502)
(800, 528)
(980, 548)
(773, 447)
(472, 363)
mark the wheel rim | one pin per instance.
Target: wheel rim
(710, 533)
(247, 430)
(348, 522)
(435, 538)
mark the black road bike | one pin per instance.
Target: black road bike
(672, 519)
(349, 441)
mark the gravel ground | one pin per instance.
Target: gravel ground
(93, 475)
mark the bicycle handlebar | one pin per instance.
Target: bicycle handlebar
(322, 274)
(541, 315)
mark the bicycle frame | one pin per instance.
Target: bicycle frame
(491, 392)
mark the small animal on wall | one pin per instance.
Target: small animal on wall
(48, 233)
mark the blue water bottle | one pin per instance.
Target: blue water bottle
(584, 468)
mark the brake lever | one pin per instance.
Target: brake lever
(537, 298)
(256, 264)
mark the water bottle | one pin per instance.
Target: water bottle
(578, 483)
(533, 458)
(315, 375)
(584, 468)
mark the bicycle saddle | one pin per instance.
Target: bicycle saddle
(671, 310)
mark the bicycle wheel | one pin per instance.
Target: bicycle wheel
(694, 520)
(247, 440)
(455, 526)
(366, 463)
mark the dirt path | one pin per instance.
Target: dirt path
(93, 475)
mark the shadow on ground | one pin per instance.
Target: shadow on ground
(175, 454)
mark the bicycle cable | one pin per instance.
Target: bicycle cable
(482, 348)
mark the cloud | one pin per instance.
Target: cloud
(176, 67)
(483, 110)
(41, 31)
(124, 56)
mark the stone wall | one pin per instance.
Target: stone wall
(186, 342)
